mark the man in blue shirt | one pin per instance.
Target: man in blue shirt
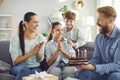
(105, 64)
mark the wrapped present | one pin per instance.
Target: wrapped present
(40, 76)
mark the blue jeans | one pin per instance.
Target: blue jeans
(62, 74)
(91, 75)
(20, 70)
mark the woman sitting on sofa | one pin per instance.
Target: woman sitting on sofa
(26, 47)
(58, 52)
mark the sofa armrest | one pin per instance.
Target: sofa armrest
(4, 54)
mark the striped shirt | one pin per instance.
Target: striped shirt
(51, 47)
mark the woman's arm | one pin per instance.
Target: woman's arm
(22, 58)
(40, 53)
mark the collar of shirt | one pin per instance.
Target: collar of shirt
(114, 33)
(53, 41)
(71, 29)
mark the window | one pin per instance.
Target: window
(106, 2)
(115, 4)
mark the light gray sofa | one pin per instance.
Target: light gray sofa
(5, 56)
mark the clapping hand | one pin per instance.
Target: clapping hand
(37, 47)
(60, 46)
(41, 44)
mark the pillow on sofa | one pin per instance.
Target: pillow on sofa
(4, 67)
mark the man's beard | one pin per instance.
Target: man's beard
(103, 30)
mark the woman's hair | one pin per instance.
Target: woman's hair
(53, 27)
(27, 18)
(69, 15)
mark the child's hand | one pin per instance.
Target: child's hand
(71, 43)
(41, 44)
(58, 47)
(61, 47)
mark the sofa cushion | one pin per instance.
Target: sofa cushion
(4, 67)
(5, 76)
(4, 51)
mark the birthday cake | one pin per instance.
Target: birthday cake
(80, 60)
(77, 61)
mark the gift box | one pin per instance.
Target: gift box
(40, 76)
(48, 77)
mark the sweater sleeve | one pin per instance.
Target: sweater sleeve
(14, 48)
(42, 39)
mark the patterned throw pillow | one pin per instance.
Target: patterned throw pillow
(4, 67)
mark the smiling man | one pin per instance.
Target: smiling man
(105, 64)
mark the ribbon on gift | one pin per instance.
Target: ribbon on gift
(40, 75)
